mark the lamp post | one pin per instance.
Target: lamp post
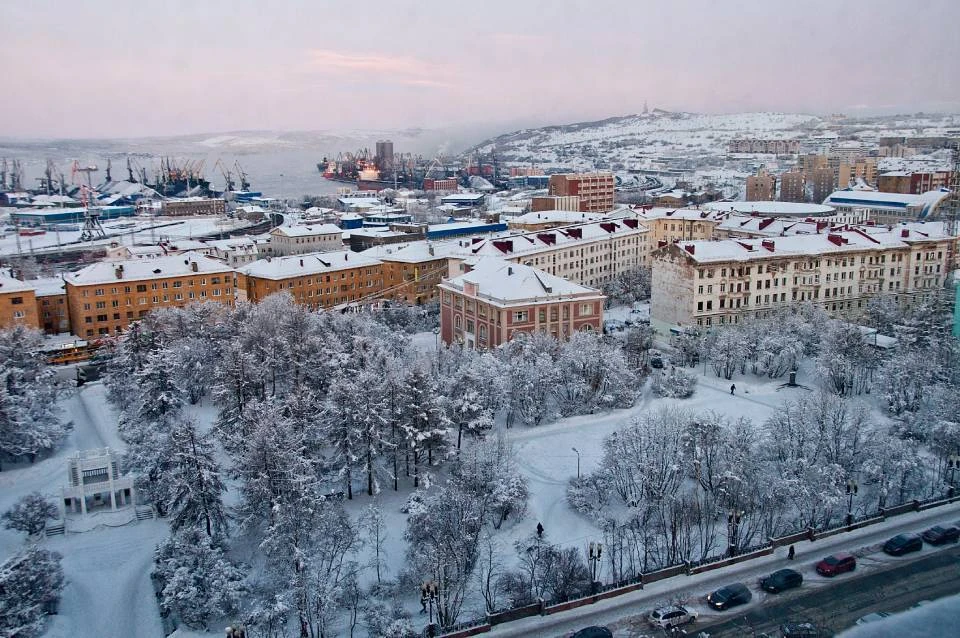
(733, 525)
(852, 489)
(594, 552)
(578, 462)
(429, 591)
(953, 464)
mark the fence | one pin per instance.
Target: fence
(543, 608)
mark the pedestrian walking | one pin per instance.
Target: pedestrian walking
(733, 386)
(539, 530)
(791, 553)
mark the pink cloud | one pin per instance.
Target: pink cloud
(403, 69)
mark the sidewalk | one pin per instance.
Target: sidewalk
(694, 588)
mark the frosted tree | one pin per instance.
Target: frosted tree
(464, 388)
(905, 377)
(238, 382)
(374, 526)
(195, 487)
(488, 473)
(31, 582)
(198, 581)
(423, 422)
(637, 345)
(728, 351)
(29, 412)
(30, 514)
(674, 383)
(846, 362)
(592, 375)
(532, 374)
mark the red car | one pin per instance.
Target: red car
(836, 564)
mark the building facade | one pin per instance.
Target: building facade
(595, 190)
(18, 304)
(104, 298)
(792, 187)
(715, 283)
(193, 206)
(315, 280)
(761, 188)
(298, 240)
(497, 300)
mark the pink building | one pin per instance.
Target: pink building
(495, 300)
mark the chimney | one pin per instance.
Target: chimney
(509, 270)
(690, 248)
(194, 266)
(905, 232)
(768, 244)
(301, 263)
(835, 239)
(346, 256)
(118, 271)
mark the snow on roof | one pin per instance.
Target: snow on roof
(669, 213)
(9, 284)
(556, 216)
(138, 269)
(145, 250)
(463, 197)
(537, 241)
(775, 209)
(307, 230)
(414, 252)
(507, 283)
(837, 241)
(48, 286)
(307, 264)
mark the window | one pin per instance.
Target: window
(520, 315)
(141, 288)
(586, 309)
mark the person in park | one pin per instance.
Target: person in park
(791, 553)
(733, 386)
(539, 530)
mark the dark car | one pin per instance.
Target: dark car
(593, 632)
(903, 544)
(656, 362)
(800, 630)
(781, 580)
(940, 534)
(729, 596)
(836, 564)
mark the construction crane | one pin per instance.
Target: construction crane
(227, 176)
(82, 169)
(92, 228)
(244, 184)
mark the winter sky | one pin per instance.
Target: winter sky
(117, 68)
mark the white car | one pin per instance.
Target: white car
(671, 616)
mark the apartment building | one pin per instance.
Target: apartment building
(53, 313)
(913, 183)
(193, 206)
(105, 297)
(235, 251)
(716, 283)
(18, 304)
(595, 190)
(540, 203)
(669, 225)
(587, 254)
(544, 220)
(822, 182)
(887, 208)
(761, 187)
(792, 187)
(496, 300)
(316, 280)
(412, 271)
(298, 240)
(763, 146)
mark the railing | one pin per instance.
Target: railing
(544, 608)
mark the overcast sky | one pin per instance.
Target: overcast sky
(140, 68)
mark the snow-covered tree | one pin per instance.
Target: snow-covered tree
(423, 422)
(846, 362)
(637, 345)
(198, 582)
(488, 472)
(374, 525)
(195, 488)
(592, 374)
(531, 376)
(30, 514)
(905, 377)
(30, 585)
(674, 383)
(29, 412)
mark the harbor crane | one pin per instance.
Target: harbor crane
(227, 176)
(244, 184)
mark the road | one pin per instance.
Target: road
(837, 605)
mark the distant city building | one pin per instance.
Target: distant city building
(540, 203)
(912, 183)
(543, 220)
(384, 157)
(193, 206)
(411, 271)
(595, 190)
(448, 184)
(780, 147)
(300, 239)
(52, 310)
(887, 208)
(496, 300)
(761, 187)
(525, 171)
(792, 187)
(822, 183)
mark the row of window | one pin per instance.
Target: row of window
(162, 285)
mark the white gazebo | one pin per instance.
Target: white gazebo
(94, 481)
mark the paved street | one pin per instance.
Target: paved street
(836, 605)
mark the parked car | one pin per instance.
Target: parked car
(940, 534)
(671, 616)
(729, 596)
(874, 617)
(781, 580)
(593, 632)
(800, 630)
(903, 544)
(836, 564)
(656, 362)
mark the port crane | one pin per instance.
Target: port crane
(227, 176)
(244, 184)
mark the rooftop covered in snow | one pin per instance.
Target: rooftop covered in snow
(773, 209)
(139, 269)
(307, 264)
(507, 284)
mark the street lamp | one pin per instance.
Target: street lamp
(852, 489)
(578, 461)
(953, 464)
(595, 550)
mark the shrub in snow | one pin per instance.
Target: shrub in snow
(674, 383)
(30, 514)
(30, 586)
(546, 571)
(198, 581)
(589, 494)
